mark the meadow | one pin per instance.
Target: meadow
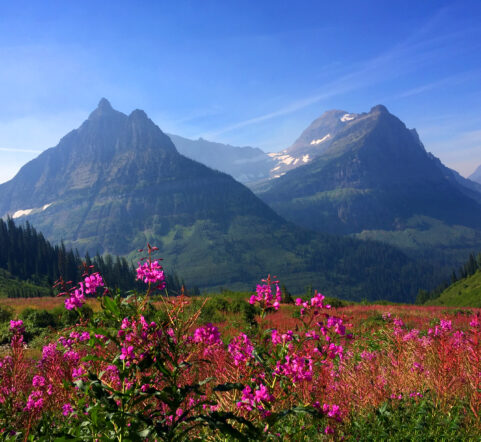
(97, 365)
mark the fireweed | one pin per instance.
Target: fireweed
(126, 376)
(134, 373)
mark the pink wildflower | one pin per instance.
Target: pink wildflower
(92, 282)
(67, 409)
(240, 349)
(38, 381)
(151, 273)
(265, 297)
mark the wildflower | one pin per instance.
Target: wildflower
(77, 372)
(92, 282)
(340, 329)
(265, 297)
(35, 401)
(412, 334)
(67, 409)
(207, 334)
(475, 322)
(332, 411)
(278, 338)
(85, 336)
(398, 322)
(38, 381)
(252, 397)
(151, 273)
(49, 352)
(297, 368)
(328, 430)
(315, 303)
(72, 356)
(335, 350)
(17, 326)
(76, 299)
(240, 349)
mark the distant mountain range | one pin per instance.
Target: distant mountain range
(245, 164)
(476, 175)
(118, 182)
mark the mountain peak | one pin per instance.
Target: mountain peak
(380, 108)
(104, 104)
(138, 114)
(103, 108)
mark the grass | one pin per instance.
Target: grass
(463, 293)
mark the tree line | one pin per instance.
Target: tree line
(27, 256)
(470, 267)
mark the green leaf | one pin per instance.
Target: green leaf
(229, 386)
(111, 306)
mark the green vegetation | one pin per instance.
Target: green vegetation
(11, 287)
(463, 289)
(30, 265)
(410, 420)
(463, 293)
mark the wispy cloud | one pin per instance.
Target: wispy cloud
(406, 57)
(451, 80)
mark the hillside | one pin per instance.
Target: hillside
(463, 293)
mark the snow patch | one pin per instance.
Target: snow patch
(286, 159)
(320, 140)
(20, 213)
(25, 212)
(305, 158)
(348, 117)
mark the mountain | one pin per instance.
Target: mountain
(118, 182)
(245, 164)
(251, 165)
(313, 141)
(373, 177)
(476, 175)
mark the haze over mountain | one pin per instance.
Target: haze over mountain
(476, 175)
(251, 165)
(117, 182)
(370, 175)
(245, 164)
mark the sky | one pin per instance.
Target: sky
(240, 72)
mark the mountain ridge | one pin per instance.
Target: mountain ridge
(118, 182)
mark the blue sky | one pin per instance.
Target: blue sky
(242, 72)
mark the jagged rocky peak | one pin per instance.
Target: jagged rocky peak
(138, 114)
(103, 108)
(104, 104)
(380, 108)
